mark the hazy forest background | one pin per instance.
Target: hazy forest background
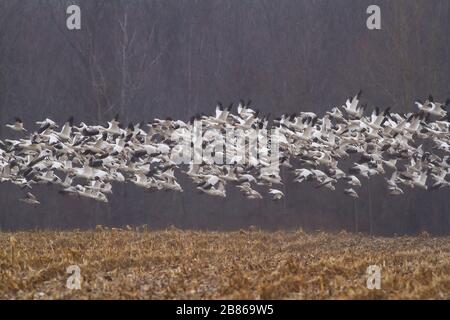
(146, 59)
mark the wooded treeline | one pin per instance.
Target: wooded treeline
(146, 59)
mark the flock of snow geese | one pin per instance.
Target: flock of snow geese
(86, 160)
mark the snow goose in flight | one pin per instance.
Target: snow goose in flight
(17, 125)
(336, 114)
(30, 199)
(208, 188)
(230, 175)
(66, 130)
(244, 109)
(302, 175)
(48, 177)
(142, 181)
(391, 163)
(392, 182)
(113, 126)
(377, 119)
(47, 121)
(46, 126)
(98, 185)
(327, 183)
(352, 180)
(395, 191)
(5, 173)
(269, 176)
(92, 194)
(352, 193)
(67, 181)
(352, 108)
(247, 177)
(249, 193)
(246, 123)
(433, 108)
(439, 179)
(221, 113)
(419, 180)
(363, 170)
(276, 194)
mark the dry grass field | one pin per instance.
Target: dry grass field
(247, 264)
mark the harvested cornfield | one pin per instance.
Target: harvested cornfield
(246, 264)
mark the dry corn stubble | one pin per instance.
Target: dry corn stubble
(247, 264)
